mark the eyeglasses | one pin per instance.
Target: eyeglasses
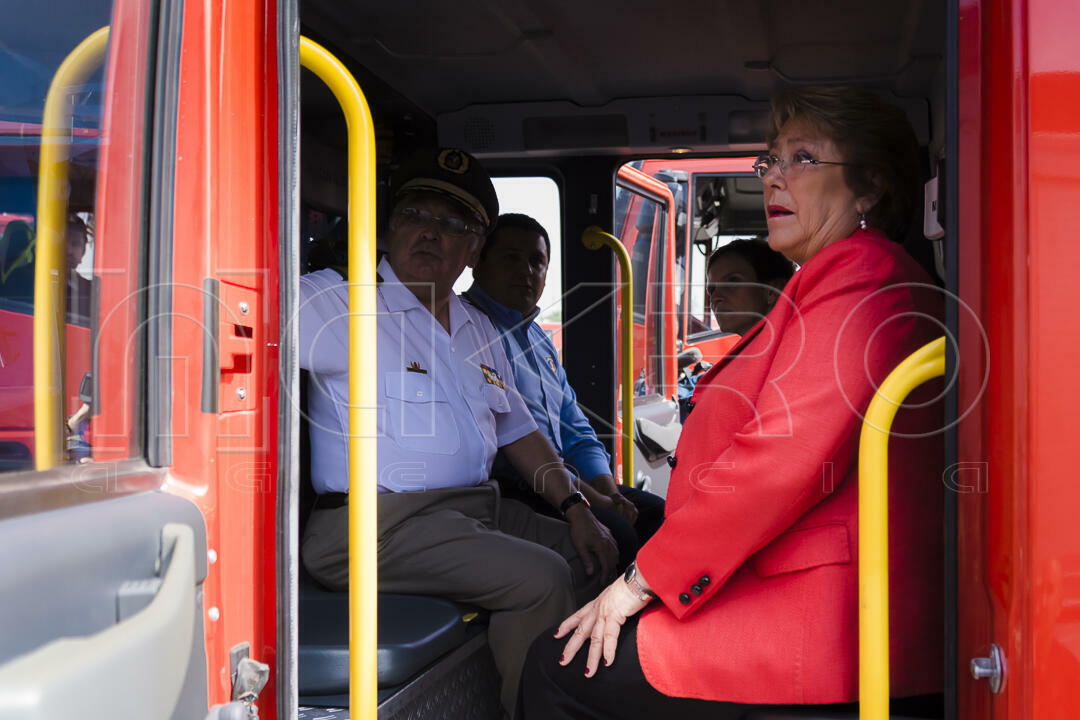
(451, 226)
(799, 161)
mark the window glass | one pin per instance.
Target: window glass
(34, 40)
(537, 197)
(641, 224)
(700, 318)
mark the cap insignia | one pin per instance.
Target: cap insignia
(454, 161)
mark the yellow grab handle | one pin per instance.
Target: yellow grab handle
(363, 467)
(924, 364)
(50, 272)
(594, 238)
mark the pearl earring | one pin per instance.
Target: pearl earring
(862, 221)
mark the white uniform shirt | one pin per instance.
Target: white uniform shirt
(447, 402)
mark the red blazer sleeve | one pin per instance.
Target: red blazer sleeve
(842, 328)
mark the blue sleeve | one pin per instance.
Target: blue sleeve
(322, 326)
(581, 448)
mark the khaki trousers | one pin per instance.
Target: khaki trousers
(470, 546)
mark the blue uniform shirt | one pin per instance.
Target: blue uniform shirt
(541, 382)
(446, 401)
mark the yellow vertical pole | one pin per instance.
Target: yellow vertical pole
(924, 364)
(50, 271)
(594, 238)
(363, 468)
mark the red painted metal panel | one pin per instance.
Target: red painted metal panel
(1019, 187)
(118, 238)
(226, 229)
(1053, 177)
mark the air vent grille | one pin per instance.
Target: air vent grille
(479, 134)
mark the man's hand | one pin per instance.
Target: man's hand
(605, 485)
(609, 498)
(592, 538)
(623, 507)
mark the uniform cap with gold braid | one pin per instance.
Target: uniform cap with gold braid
(454, 173)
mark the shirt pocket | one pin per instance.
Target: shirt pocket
(496, 398)
(420, 416)
(804, 549)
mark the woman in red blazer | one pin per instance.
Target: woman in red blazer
(748, 592)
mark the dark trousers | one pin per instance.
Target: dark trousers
(549, 691)
(628, 537)
(619, 692)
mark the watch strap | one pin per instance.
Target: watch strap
(631, 578)
(571, 500)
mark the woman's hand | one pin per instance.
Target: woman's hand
(599, 622)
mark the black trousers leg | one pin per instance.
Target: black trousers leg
(624, 534)
(650, 511)
(619, 692)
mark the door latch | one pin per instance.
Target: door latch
(248, 679)
(990, 668)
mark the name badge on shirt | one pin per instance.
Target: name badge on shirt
(493, 377)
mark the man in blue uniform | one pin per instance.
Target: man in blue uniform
(447, 402)
(509, 279)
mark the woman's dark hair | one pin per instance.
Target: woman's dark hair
(768, 264)
(515, 221)
(871, 134)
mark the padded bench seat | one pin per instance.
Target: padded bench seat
(414, 632)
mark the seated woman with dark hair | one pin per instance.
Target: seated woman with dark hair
(745, 281)
(748, 593)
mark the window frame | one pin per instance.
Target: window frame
(29, 491)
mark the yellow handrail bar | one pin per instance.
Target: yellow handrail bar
(594, 238)
(924, 364)
(363, 468)
(50, 274)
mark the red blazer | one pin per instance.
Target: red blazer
(756, 563)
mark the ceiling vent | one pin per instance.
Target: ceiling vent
(479, 134)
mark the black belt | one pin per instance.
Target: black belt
(330, 501)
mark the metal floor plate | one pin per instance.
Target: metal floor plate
(318, 713)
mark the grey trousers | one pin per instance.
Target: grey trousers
(470, 546)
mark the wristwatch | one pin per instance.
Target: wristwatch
(631, 578)
(571, 500)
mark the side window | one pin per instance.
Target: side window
(649, 218)
(105, 106)
(699, 317)
(642, 228)
(727, 207)
(537, 197)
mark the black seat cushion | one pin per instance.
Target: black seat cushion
(413, 632)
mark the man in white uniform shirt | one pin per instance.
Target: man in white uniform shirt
(447, 404)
